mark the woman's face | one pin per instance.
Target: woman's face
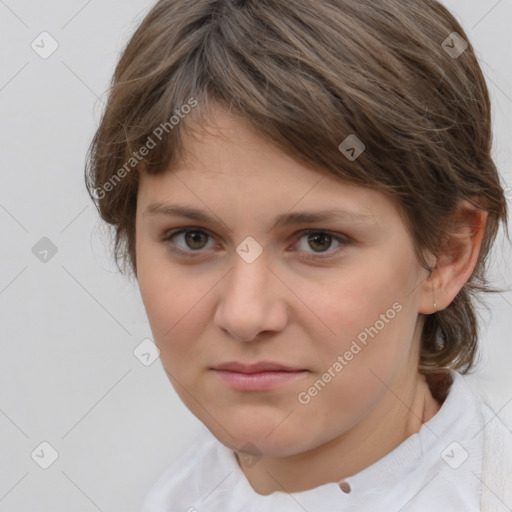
(271, 336)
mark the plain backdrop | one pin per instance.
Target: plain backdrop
(69, 321)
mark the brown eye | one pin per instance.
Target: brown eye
(320, 241)
(186, 241)
(191, 242)
(195, 239)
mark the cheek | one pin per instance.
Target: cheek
(167, 294)
(371, 315)
(373, 321)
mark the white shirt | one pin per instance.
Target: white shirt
(438, 468)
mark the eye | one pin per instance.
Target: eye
(193, 240)
(320, 241)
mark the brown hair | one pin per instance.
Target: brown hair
(306, 74)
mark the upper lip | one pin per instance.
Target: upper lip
(262, 366)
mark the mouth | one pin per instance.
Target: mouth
(260, 376)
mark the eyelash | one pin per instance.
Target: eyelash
(167, 240)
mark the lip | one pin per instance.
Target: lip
(259, 376)
(260, 366)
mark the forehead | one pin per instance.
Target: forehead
(227, 166)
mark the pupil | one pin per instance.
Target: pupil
(321, 236)
(193, 235)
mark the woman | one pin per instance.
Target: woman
(306, 196)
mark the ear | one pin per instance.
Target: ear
(455, 259)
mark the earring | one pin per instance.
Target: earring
(433, 296)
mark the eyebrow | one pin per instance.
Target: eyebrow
(283, 220)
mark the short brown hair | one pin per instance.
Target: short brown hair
(306, 74)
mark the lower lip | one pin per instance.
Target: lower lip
(260, 381)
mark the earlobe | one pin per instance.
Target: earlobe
(456, 258)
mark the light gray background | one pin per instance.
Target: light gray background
(68, 375)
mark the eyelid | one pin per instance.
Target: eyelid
(169, 235)
(341, 238)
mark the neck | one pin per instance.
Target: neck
(400, 414)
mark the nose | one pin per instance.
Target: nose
(252, 301)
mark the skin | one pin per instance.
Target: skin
(286, 308)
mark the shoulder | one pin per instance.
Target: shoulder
(490, 405)
(497, 460)
(181, 482)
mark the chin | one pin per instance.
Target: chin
(269, 436)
